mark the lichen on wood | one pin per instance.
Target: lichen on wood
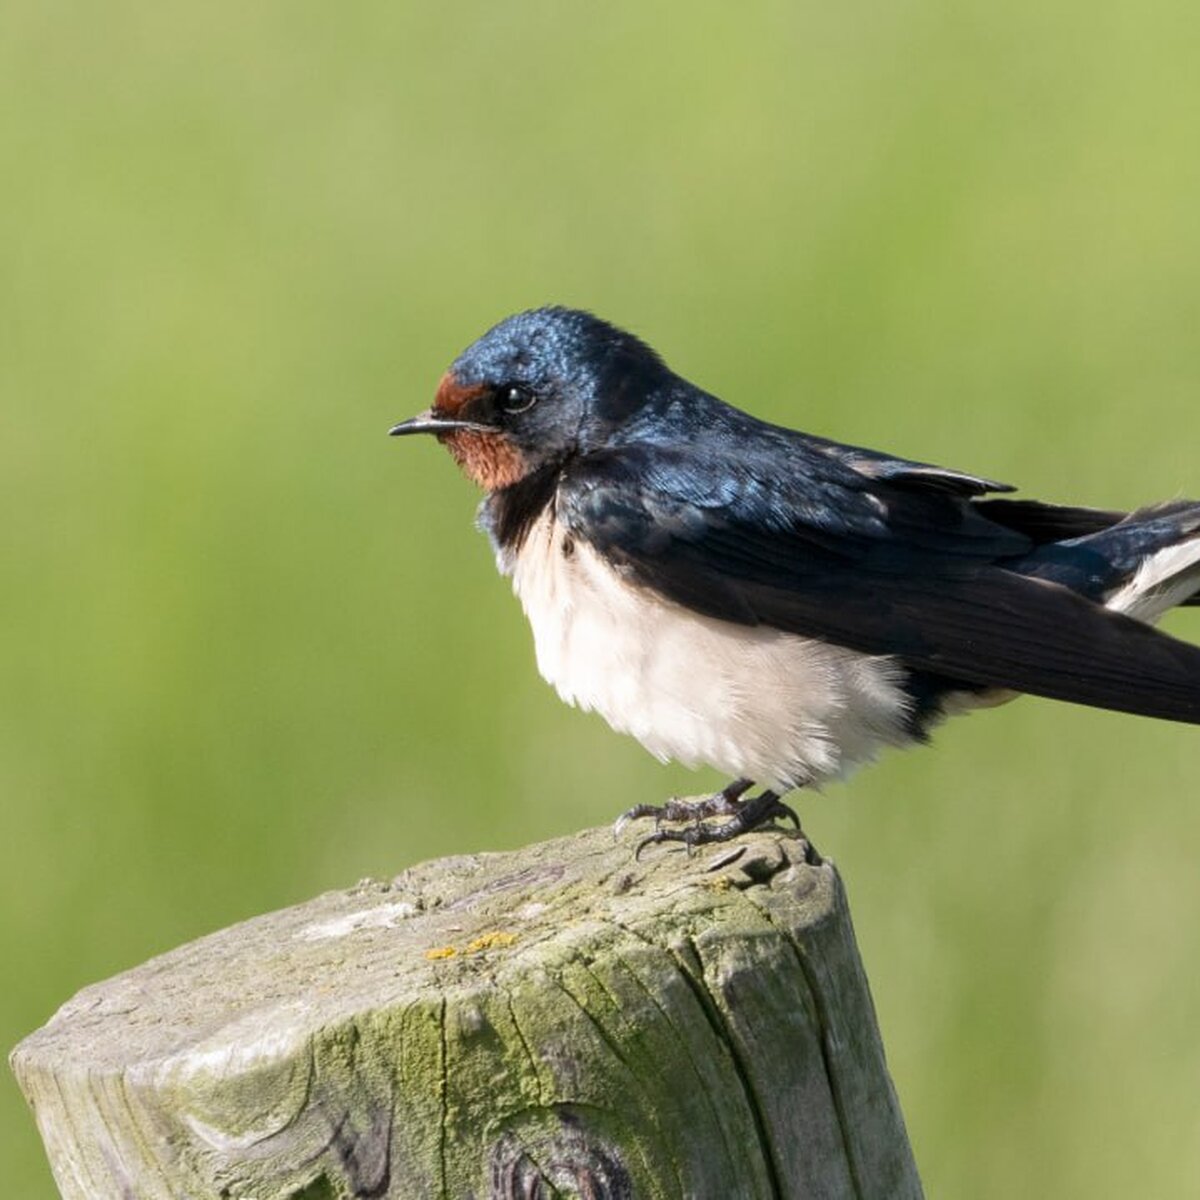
(558, 1021)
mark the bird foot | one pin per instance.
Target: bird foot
(742, 816)
(723, 803)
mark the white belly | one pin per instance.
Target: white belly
(750, 701)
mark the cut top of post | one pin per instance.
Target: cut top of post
(688, 1025)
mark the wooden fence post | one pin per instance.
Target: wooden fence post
(560, 1021)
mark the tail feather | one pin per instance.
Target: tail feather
(1159, 550)
(1141, 564)
(1044, 523)
(1166, 578)
(1049, 524)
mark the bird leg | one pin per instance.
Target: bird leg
(743, 815)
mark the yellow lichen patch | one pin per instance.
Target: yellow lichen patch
(441, 952)
(492, 940)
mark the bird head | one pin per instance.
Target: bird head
(536, 390)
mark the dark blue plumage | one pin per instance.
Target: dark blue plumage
(887, 584)
(885, 570)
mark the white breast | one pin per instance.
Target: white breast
(750, 701)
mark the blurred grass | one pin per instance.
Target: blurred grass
(252, 650)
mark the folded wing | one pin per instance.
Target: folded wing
(874, 561)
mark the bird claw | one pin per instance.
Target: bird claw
(723, 803)
(665, 835)
(637, 813)
(784, 812)
(743, 815)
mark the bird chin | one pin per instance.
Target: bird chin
(490, 459)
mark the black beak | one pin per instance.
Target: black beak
(428, 422)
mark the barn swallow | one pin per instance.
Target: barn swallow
(781, 606)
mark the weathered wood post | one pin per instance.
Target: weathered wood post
(560, 1021)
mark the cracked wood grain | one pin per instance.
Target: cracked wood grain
(560, 1021)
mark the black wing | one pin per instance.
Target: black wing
(881, 566)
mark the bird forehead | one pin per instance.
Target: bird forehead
(453, 395)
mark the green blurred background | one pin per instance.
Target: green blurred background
(251, 649)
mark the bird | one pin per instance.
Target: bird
(776, 605)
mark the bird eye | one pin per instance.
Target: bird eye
(516, 399)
